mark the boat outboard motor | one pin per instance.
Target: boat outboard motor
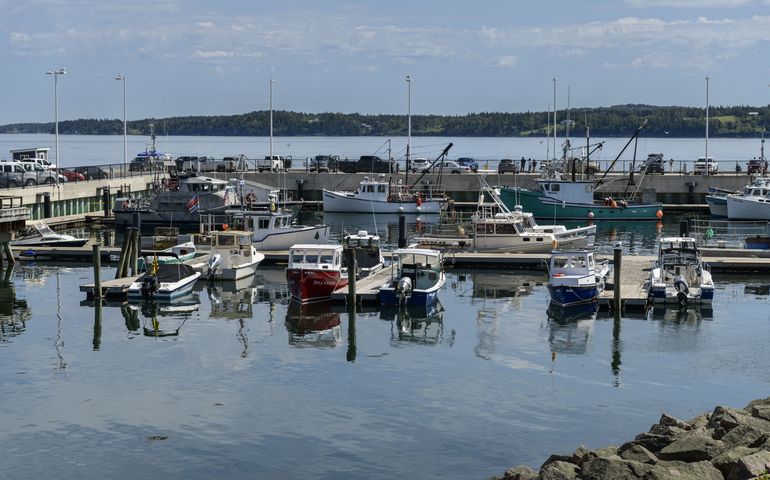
(682, 289)
(404, 288)
(213, 264)
(149, 286)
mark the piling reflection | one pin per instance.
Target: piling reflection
(313, 325)
(14, 312)
(417, 325)
(570, 329)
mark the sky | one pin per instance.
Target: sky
(193, 57)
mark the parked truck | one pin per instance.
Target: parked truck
(274, 163)
(367, 164)
(210, 164)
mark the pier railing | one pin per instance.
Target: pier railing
(82, 173)
(727, 234)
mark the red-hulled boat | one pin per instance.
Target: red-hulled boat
(315, 271)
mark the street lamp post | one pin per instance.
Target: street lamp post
(271, 119)
(408, 121)
(122, 78)
(56, 73)
(707, 125)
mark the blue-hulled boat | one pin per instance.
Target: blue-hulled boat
(574, 277)
(418, 275)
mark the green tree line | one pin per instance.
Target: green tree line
(615, 121)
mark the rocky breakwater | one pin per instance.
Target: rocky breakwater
(728, 443)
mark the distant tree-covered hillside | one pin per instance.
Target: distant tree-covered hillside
(620, 121)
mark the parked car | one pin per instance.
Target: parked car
(71, 176)
(324, 163)
(11, 179)
(43, 175)
(16, 171)
(757, 165)
(450, 166)
(506, 165)
(653, 164)
(706, 165)
(469, 162)
(419, 165)
(92, 173)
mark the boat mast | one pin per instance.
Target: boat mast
(408, 123)
(707, 124)
(554, 118)
(548, 135)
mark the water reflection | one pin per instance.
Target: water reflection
(691, 317)
(570, 329)
(759, 290)
(418, 325)
(233, 299)
(162, 319)
(313, 325)
(14, 313)
(271, 286)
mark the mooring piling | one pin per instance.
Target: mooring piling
(616, 259)
(97, 273)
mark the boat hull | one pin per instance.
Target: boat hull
(342, 203)
(78, 242)
(422, 298)
(168, 291)
(283, 240)
(311, 285)
(717, 205)
(542, 207)
(739, 208)
(668, 295)
(566, 295)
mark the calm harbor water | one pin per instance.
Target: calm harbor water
(238, 383)
(102, 149)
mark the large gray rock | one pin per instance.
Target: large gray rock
(744, 436)
(522, 472)
(609, 469)
(582, 455)
(559, 471)
(684, 471)
(650, 441)
(700, 421)
(640, 454)
(692, 448)
(761, 401)
(761, 411)
(667, 430)
(556, 458)
(607, 452)
(729, 418)
(669, 421)
(726, 461)
(750, 466)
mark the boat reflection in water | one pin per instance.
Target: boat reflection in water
(502, 285)
(14, 313)
(162, 319)
(313, 325)
(272, 286)
(570, 329)
(419, 325)
(233, 299)
(691, 316)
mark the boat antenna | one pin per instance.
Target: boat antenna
(636, 134)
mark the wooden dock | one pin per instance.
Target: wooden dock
(367, 289)
(111, 289)
(634, 274)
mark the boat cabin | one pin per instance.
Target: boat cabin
(237, 241)
(367, 248)
(571, 263)
(677, 251)
(422, 266)
(316, 257)
(579, 191)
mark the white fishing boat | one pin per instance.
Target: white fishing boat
(418, 275)
(165, 282)
(751, 204)
(233, 256)
(41, 235)
(575, 278)
(383, 196)
(679, 276)
(368, 253)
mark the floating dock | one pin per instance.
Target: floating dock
(116, 289)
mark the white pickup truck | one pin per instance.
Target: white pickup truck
(706, 166)
(273, 163)
(209, 164)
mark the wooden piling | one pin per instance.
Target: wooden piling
(401, 231)
(119, 273)
(8, 253)
(97, 272)
(137, 247)
(352, 268)
(617, 255)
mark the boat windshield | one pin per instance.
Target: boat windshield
(43, 229)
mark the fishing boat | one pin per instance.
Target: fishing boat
(163, 282)
(753, 203)
(679, 276)
(369, 257)
(315, 271)
(177, 201)
(716, 198)
(180, 253)
(380, 195)
(41, 235)
(575, 278)
(417, 277)
(232, 257)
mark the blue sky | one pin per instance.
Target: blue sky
(201, 58)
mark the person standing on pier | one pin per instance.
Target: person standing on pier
(523, 163)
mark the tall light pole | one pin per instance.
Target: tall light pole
(408, 119)
(56, 73)
(554, 118)
(122, 78)
(271, 119)
(707, 124)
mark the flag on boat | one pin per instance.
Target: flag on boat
(192, 204)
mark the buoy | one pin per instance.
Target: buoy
(225, 227)
(591, 215)
(659, 214)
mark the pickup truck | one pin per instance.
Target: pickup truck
(209, 164)
(273, 163)
(705, 166)
(367, 163)
(324, 163)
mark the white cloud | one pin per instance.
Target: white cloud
(507, 61)
(17, 37)
(688, 3)
(214, 54)
(205, 24)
